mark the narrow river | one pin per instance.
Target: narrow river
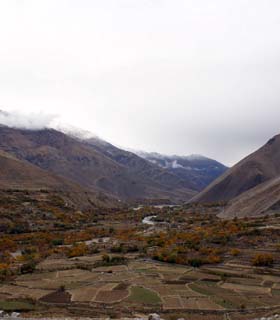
(149, 220)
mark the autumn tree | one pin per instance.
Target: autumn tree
(263, 260)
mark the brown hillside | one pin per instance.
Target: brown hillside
(77, 161)
(255, 169)
(255, 202)
(18, 174)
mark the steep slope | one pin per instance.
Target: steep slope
(138, 166)
(18, 174)
(255, 169)
(255, 202)
(79, 162)
(148, 174)
(194, 172)
(15, 173)
(197, 171)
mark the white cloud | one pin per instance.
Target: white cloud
(33, 121)
(173, 76)
(176, 165)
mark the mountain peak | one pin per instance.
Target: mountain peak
(275, 139)
(75, 132)
(255, 169)
(198, 170)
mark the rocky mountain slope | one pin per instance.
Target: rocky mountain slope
(93, 169)
(260, 200)
(196, 170)
(136, 165)
(18, 174)
(257, 168)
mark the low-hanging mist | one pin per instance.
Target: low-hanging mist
(30, 121)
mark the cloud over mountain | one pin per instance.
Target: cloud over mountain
(30, 120)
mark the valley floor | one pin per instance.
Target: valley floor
(188, 264)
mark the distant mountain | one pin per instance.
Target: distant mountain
(257, 201)
(197, 171)
(94, 165)
(154, 179)
(257, 168)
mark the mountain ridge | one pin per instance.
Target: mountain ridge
(80, 163)
(16, 174)
(197, 170)
(258, 167)
(257, 201)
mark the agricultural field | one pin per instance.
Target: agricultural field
(185, 263)
(147, 285)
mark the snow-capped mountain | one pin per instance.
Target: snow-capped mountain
(198, 170)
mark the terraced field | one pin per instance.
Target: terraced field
(147, 284)
(195, 266)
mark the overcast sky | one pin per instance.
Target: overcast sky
(172, 76)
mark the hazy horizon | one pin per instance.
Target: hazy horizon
(173, 77)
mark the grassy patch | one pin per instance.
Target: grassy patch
(209, 283)
(144, 270)
(16, 306)
(225, 303)
(276, 292)
(199, 289)
(142, 295)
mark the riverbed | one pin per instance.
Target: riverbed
(149, 220)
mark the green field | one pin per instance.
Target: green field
(142, 295)
(16, 306)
